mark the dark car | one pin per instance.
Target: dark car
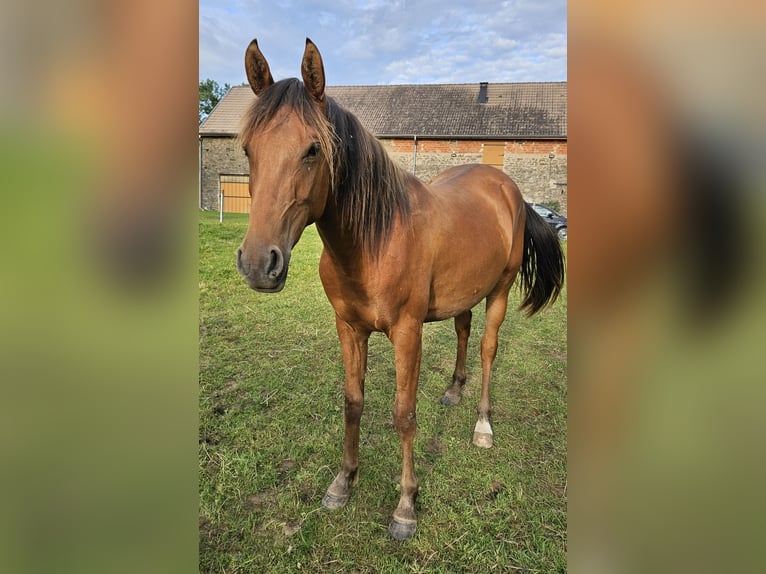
(557, 221)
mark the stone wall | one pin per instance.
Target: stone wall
(541, 178)
(219, 155)
(433, 156)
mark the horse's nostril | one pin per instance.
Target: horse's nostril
(276, 263)
(268, 269)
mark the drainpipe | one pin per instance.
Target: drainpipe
(414, 154)
(199, 137)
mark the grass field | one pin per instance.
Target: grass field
(271, 431)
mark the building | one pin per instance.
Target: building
(519, 128)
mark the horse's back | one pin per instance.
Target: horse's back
(473, 175)
(479, 193)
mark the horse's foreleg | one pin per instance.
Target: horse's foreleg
(407, 350)
(463, 329)
(354, 348)
(497, 303)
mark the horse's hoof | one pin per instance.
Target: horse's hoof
(482, 439)
(402, 530)
(450, 400)
(331, 502)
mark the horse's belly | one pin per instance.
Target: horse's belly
(449, 311)
(461, 288)
(453, 304)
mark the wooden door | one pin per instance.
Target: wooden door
(236, 193)
(493, 154)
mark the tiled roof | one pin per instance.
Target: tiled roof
(512, 111)
(224, 119)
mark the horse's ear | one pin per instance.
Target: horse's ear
(313, 72)
(257, 69)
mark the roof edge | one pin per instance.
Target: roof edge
(426, 137)
(471, 137)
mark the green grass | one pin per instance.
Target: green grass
(271, 431)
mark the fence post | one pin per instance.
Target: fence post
(220, 204)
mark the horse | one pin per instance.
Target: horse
(397, 252)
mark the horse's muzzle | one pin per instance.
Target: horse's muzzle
(267, 272)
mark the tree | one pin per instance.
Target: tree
(210, 93)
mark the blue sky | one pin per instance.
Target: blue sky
(389, 41)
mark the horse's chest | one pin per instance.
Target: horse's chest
(363, 307)
(367, 303)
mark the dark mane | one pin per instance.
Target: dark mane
(369, 189)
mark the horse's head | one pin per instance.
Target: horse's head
(288, 142)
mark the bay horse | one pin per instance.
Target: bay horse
(396, 252)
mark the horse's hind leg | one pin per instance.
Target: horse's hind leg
(497, 303)
(454, 392)
(354, 348)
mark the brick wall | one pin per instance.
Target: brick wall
(433, 156)
(540, 178)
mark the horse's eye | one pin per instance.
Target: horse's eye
(313, 151)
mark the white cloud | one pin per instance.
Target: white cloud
(383, 42)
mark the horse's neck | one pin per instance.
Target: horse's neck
(337, 242)
(359, 217)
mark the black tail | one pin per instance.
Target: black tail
(542, 268)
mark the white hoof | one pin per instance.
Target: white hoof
(482, 440)
(482, 434)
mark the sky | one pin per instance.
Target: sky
(374, 42)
